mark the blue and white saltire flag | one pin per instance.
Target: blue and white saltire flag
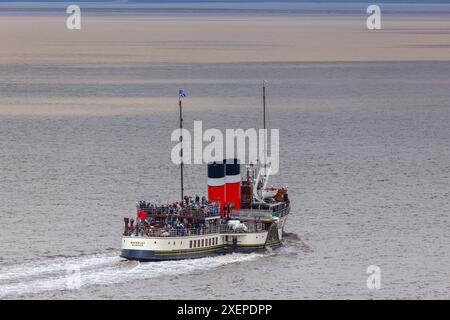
(181, 93)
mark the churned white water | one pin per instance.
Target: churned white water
(55, 275)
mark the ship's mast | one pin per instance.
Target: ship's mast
(264, 126)
(181, 144)
(261, 179)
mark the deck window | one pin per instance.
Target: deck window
(203, 242)
(190, 244)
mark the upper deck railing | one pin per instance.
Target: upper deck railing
(263, 212)
(142, 231)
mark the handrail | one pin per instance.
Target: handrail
(164, 232)
(251, 228)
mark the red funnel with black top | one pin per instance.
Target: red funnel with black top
(216, 182)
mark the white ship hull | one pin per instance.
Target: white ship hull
(198, 246)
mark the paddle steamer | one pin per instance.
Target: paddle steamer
(240, 214)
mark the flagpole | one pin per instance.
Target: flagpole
(181, 143)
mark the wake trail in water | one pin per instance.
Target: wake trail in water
(48, 275)
(53, 266)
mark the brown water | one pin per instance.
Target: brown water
(365, 151)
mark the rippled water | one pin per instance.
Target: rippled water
(365, 151)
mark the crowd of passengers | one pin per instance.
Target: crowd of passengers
(175, 220)
(181, 208)
(172, 227)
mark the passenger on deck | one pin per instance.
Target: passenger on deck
(142, 215)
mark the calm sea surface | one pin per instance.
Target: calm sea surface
(365, 151)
